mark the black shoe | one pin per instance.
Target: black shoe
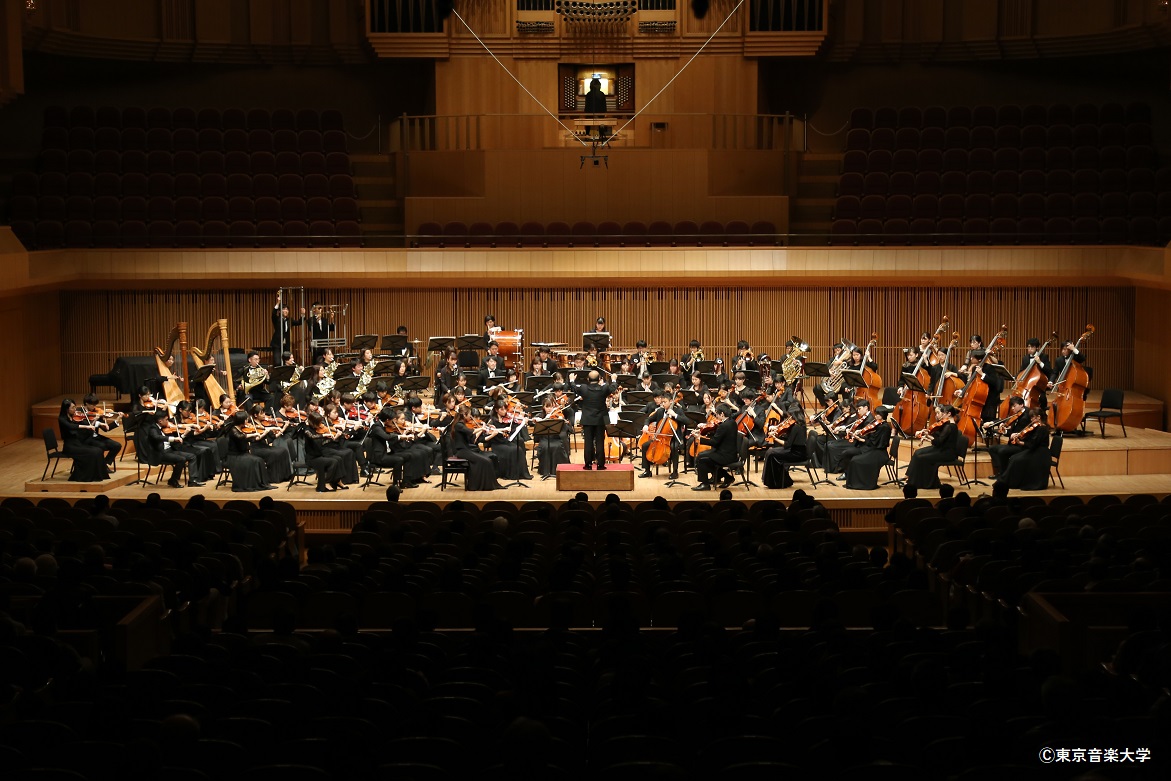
(174, 483)
(673, 476)
(324, 490)
(645, 473)
(196, 484)
(267, 487)
(601, 466)
(702, 487)
(728, 482)
(840, 477)
(588, 467)
(406, 486)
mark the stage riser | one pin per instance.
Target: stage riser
(616, 477)
(61, 485)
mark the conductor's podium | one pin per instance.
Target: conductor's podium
(615, 477)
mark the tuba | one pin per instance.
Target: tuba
(791, 366)
(833, 383)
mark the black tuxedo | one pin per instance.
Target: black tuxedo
(725, 449)
(594, 417)
(281, 333)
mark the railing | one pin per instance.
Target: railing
(786, 16)
(471, 132)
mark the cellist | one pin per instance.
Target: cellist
(667, 410)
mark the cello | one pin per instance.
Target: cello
(976, 394)
(1026, 383)
(657, 443)
(912, 410)
(873, 389)
(1069, 404)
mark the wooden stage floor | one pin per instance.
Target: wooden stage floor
(1140, 463)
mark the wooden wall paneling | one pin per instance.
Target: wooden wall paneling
(97, 326)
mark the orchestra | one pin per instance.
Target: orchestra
(372, 413)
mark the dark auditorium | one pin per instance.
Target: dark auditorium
(709, 390)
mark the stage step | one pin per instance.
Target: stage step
(61, 484)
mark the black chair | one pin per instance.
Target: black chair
(1055, 457)
(452, 465)
(892, 463)
(53, 455)
(129, 429)
(957, 467)
(1111, 407)
(740, 467)
(301, 470)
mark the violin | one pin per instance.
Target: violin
(79, 416)
(927, 433)
(777, 432)
(859, 434)
(1019, 437)
(294, 414)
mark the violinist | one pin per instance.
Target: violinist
(792, 432)
(103, 423)
(249, 472)
(593, 415)
(666, 409)
(1000, 454)
(392, 443)
(270, 445)
(947, 444)
(226, 408)
(834, 421)
(426, 440)
(862, 435)
(725, 449)
(511, 457)
(863, 468)
(552, 449)
(337, 446)
(164, 449)
(445, 378)
(1028, 469)
(198, 438)
(289, 412)
(466, 433)
(329, 464)
(347, 440)
(77, 442)
(145, 403)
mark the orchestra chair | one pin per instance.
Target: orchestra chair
(53, 454)
(1055, 458)
(452, 465)
(892, 463)
(1111, 407)
(740, 467)
(129, 433)
(958, 466)
(141, 458)
(301, 470)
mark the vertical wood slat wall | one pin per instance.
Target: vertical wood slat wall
(98, 326)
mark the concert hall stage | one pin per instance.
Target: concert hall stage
(1090, 466)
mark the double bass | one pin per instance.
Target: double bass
(1031, 383)
(873, 388)
(1069, 403)
(947, 387)
(976, 394)
(912, 410)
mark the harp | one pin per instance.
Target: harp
(174, 386)
(215, 353)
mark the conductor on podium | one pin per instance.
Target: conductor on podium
(594, 415)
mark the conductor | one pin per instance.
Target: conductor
(594, 415)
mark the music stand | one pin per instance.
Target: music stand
(662, 379)
(690, 398)
(752, 378)
(394, 344)
(203, 372)
(538, 383)
(712, 380)
(626, 381)
(492, 382)
(364, 342)
(415, 384)
(346, 384)
(473, 378)
(548, 428)
(638, 397)
(440, 344)
(599, 339)
(471, 342)
(624, 429)
(659, 367)
(912, 382)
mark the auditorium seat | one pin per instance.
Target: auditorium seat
(558, 234)
(133, 233)
(211, 140)
(455, 233)
(296, 233)
(77, 233)
(584, 234)
(532, 234)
